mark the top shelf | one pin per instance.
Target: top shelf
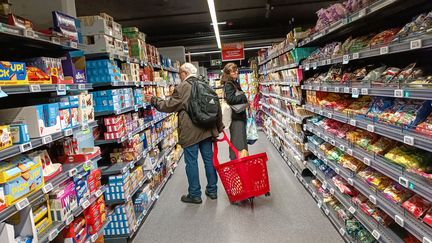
(277, 54)
(26, 42)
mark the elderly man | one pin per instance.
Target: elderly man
(191, 137)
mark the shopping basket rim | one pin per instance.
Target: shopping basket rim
(243, 159)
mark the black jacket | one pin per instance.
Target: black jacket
(230, 89)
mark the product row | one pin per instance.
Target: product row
(414, 115)
(291, 76)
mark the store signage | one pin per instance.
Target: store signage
(216, 62)
(233, 51)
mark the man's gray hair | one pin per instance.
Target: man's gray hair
(189, 68)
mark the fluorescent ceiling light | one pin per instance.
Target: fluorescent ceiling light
(219, 23)
(212, 10)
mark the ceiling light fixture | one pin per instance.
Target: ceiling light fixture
(220, 23)
(212, 10)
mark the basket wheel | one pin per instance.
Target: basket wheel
(267, 194)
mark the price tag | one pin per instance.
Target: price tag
(350, 181)
(341, 147)
(25, 147)
(136, 108)
(69, 219)
(350, 152)
(73, 44)
(29, 33)
(67, 132)
(362, 12)
(307, 66)
(415, 44)
(98, 193)
(94, 237)
(61, 89)
(404, 181)
(329, 61)
(332, 191)
(319, 204)
(367, 161)
(47, 188)
(314, 172)
(384, 50)
(35, 88)
(355, 56)
(85, 204)
(399, 220)
(46, 139)
(326, 211)
(345, 59)
(295, 173)
(323, 62)
(22, 204)
(329, 115)
(426, 240)
(364, 91)
(124, 169)
(332, 142)
(337, 89)
(81, 86)
(346, 90)
(313, 194)
(321, 112)
(317, 88)
(324, 89)
(342, 231)
(409, 140)
(398, 93)
(353, 122)
(352, 210)
(53, 234)
(156, 196)
(355, 92)
(72, 172)
(376, 234)
(55, 40)
(372, 199)
(337, 171)
(314, 65)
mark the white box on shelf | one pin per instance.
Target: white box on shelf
(99, 44)
(96, 25)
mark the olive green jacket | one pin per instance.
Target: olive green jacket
(189, 133)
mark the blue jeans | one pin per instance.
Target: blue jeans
(191, 160)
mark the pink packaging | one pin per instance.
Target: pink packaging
(113, 135)
(63, 201)
(115, 128)
(74, 116)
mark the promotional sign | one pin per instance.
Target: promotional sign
(233, 51)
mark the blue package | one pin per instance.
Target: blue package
(51, 114)
(19, 133)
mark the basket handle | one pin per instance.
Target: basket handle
(216, 150)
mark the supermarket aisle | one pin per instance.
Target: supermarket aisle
(289, 215)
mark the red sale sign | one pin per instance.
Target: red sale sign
(233, 51)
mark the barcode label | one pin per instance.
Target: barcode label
(364, 91)
(84, 126)
(61, 89)
(25, 147)
(314, 65)
(355, 92)
(337, 89)
(415, 44)
(324, 89)
(46, 139)
(371, 128)
(73, 44)
(94, 237)
(404, 181)
(47, 188)
(372, 199)
(69, 219)
(329, 61)
(29, 33)
(355, 55)
(350, 181)
(332, 191)
(426, 240)
(376, 234)
(350, 152)
(384, 50)
(345, 59)
(399, 93)
(352, 210)
(22, 204)
(367, 161)
(342, 231)
(337, 171)
(409, 140)
(35, 88)
(353, 122)
(67, 132)
(399, 220)
(72, 172)
(362, 12)
(347, 90)
(53, 234)
(85, 204)
(98, 193)
(81, 86)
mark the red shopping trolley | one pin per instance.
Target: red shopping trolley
(243, 178)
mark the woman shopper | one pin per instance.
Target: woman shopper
(234, 96)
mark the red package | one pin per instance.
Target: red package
(77, 230)
(428, 218)
(417, 205)
(94, 180)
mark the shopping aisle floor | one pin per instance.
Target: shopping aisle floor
(288, 215)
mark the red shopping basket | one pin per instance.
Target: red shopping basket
(242, 178)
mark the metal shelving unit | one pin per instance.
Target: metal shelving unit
(406, 220)
(397, 91)
(414, 182)
(276, 54)
(120, 111)
(61, 89)
(380, 232)
(400, 134)
(277, 69)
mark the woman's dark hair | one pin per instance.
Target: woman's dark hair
(229, 67)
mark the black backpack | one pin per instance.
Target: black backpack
(203, 107)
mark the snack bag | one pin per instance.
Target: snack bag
(397, 193)
(381, 146)
(417, 205)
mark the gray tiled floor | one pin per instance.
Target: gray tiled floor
(289, 215)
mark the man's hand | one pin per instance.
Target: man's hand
(148, 97)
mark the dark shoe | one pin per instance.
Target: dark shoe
(212, 196)
(189, 199)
